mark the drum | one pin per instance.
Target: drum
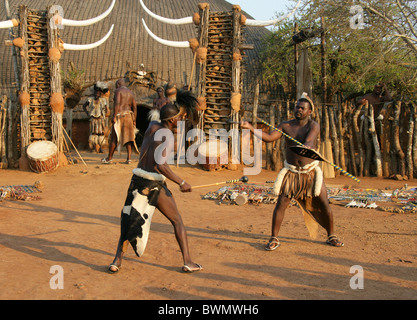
(43, 156)
(213, 154)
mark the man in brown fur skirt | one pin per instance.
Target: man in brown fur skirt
(124, 122)
(301, 178)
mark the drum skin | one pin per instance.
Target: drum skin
(213, 154)
(43, 156)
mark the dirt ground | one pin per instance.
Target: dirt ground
(75, 225)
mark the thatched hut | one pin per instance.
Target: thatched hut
(129, 48)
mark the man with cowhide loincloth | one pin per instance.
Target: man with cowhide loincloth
(301, 178)
(148, 190)
(124, 122)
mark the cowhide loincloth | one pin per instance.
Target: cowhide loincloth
(304, 185)
(142, 198)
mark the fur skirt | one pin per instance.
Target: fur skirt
(299, 183)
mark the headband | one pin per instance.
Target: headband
(305, 96)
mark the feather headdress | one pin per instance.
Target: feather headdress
(187, 104)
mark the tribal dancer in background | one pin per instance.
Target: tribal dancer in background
(124, 122)
(97, 109)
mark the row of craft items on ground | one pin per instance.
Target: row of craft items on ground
(262, 193)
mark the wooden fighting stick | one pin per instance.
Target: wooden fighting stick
(243, 179)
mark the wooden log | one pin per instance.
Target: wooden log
(3, 131)
(350, 134)
(341, 129)
(397, 150)
(414, 112)
(367, 141)
(356, 134)
(278, 152)
(410, 133)
(25, 82)
(326, 146)
(236, 72)
(275, 149)
(255, 107)
(201, 69)
(334, 136)
(269, 145)
(385, 141)
(56, 87)
(377, 149)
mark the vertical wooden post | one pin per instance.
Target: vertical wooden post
(255, 117)
(11, 147)
(340, 115)
(25, 84)
(414, 112)
(334, 136)
(367, 142)
(269, 145)
(324, 124)
(236, 70)
(278, 155)
(274, 157)
(386, 143)
(377, 149)
(56, 84)
(323, 61)
(356, 134)
(410, 172)
(255, 107)
(3, 132)
(398, 152)
(204, 11)
(352, 135)
(295, 62)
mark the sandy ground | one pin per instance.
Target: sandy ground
(75, 225)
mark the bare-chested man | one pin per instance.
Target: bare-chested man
(148, 189)
(159, 102)
(301, 178)
(124, 121)
(377, 99)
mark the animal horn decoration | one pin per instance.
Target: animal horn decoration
(79, 47)
(266, 23)
(9, 24)
(84, 23)
(169, 43)
(186, 20)
(249, 22)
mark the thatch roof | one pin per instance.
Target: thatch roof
(129, 42)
